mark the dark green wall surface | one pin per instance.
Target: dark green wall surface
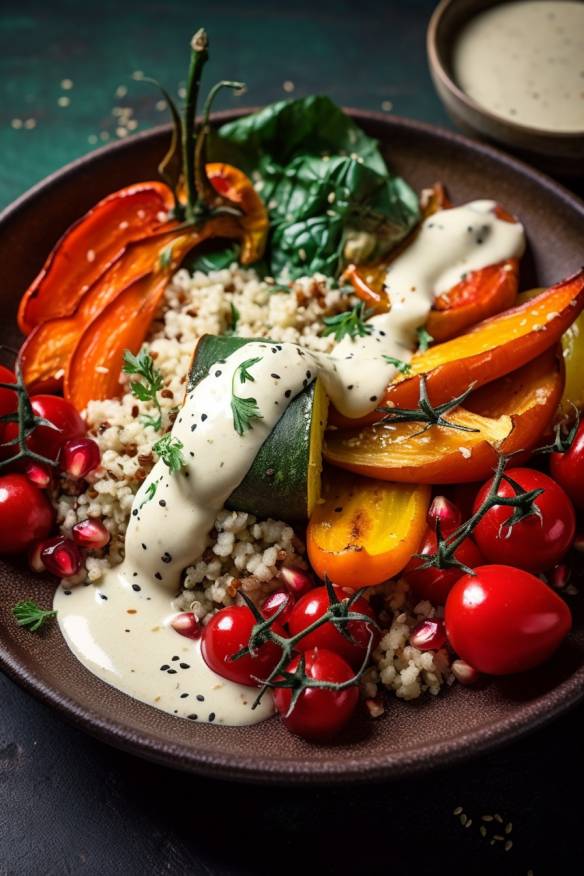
(363, 54)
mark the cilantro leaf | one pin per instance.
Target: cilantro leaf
(244, 410)
(169, 450)
(142, 365)
(349, 323)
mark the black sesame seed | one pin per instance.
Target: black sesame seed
(274, 375)
(135, 512)
(103, 596)
(166, 557)
(191, 452)
(193, 427)
(162, 503)
(211, 716)
(203, 417)
(308, 374)
(67, 592)
(351, 386)
(373, 398)
(126, 631)
(136, 587)
(288, 393)
(200, 698)
(176, 657)
(158, 576)
(183, 696)
(218, 373)
(144, 546)
(171, 672)
(193, 717)
(339, 509)
(165, 667)
(134, 574)
(185, 665)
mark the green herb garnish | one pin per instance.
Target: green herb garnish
(29, 614)
(169, 450)
(244, 410)
(402, 367)
(232, 330)
(350, 323)
(143, 366)
(424, 339)
(150, 493)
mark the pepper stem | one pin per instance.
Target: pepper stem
(205, 192)
(199, 57)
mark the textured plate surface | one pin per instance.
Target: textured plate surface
(411, 736)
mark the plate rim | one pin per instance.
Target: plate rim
(241, 767)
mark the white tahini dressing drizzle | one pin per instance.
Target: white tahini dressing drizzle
(524, 61)
(120, 628)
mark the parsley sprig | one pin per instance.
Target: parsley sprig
(142, 366)
(29, 614)
(349, 323)
(399, 364)
(169, 450)
(232, 330)
(424, 339)
(244, 410)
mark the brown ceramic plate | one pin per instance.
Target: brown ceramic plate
(411, 736)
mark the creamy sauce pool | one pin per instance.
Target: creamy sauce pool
(524, 61)
(120, 629)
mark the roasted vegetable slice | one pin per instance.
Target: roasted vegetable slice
(365, 531)
(511, 414)
(284, 479)
(490, 350)
(90, 247)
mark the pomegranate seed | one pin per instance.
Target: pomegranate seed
(464, 672)
(187, 625)
(38, 473)
(429, 635)
(445, 511)
(80, 456)
(91, 534)
(274, 602)
(34, 557)
(61, 556)
(297, 581)
(560, 576)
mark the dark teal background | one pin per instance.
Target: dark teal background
(359, 53)
(71, 805)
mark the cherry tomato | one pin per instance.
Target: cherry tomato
(319, 713)
(533, 544)
(568, 468)
(25, 514)
(504, 620)
(8, 399)
(228, 632)
(312, 606)
(434, 584)
(62, 414)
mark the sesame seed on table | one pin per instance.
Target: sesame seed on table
(71, 80)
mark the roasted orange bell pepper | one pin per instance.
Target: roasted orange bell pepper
(90, 247)
(491, 349)
(238, 189)
(511, 414)
(365, 531)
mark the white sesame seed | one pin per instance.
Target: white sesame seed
(30, 124)
(66, 84)
(16, 124)
(103, 135)
(101, 369)
(288, 86)
(508, 827)
(121, 132)
(90, 255)
(132, 124)
(123, 225)
(182, 92)
(483, 830)
(458, 810)
(386, 106)
(121, 91)
(59, 374)
(508, 845)
(64, 101)
(160, 105)
(138, 75)
(463, 819)
(92, 139)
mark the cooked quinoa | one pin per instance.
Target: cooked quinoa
(242, 551)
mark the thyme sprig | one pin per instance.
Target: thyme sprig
(142, 366)
(522, 502)
(169, 450)
(244, 410)
(29, 614)
(339, 613)
(349, 323)
(26, 420)
(427, 413)
(398, 364)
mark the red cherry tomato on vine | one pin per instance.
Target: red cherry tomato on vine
(8, 398)
(228, 632)
(312, 606)
(435, 584)
(535, 543)
(319, 713)
(502, 620)
(568, 468)
(62, 414)
(25, 514)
